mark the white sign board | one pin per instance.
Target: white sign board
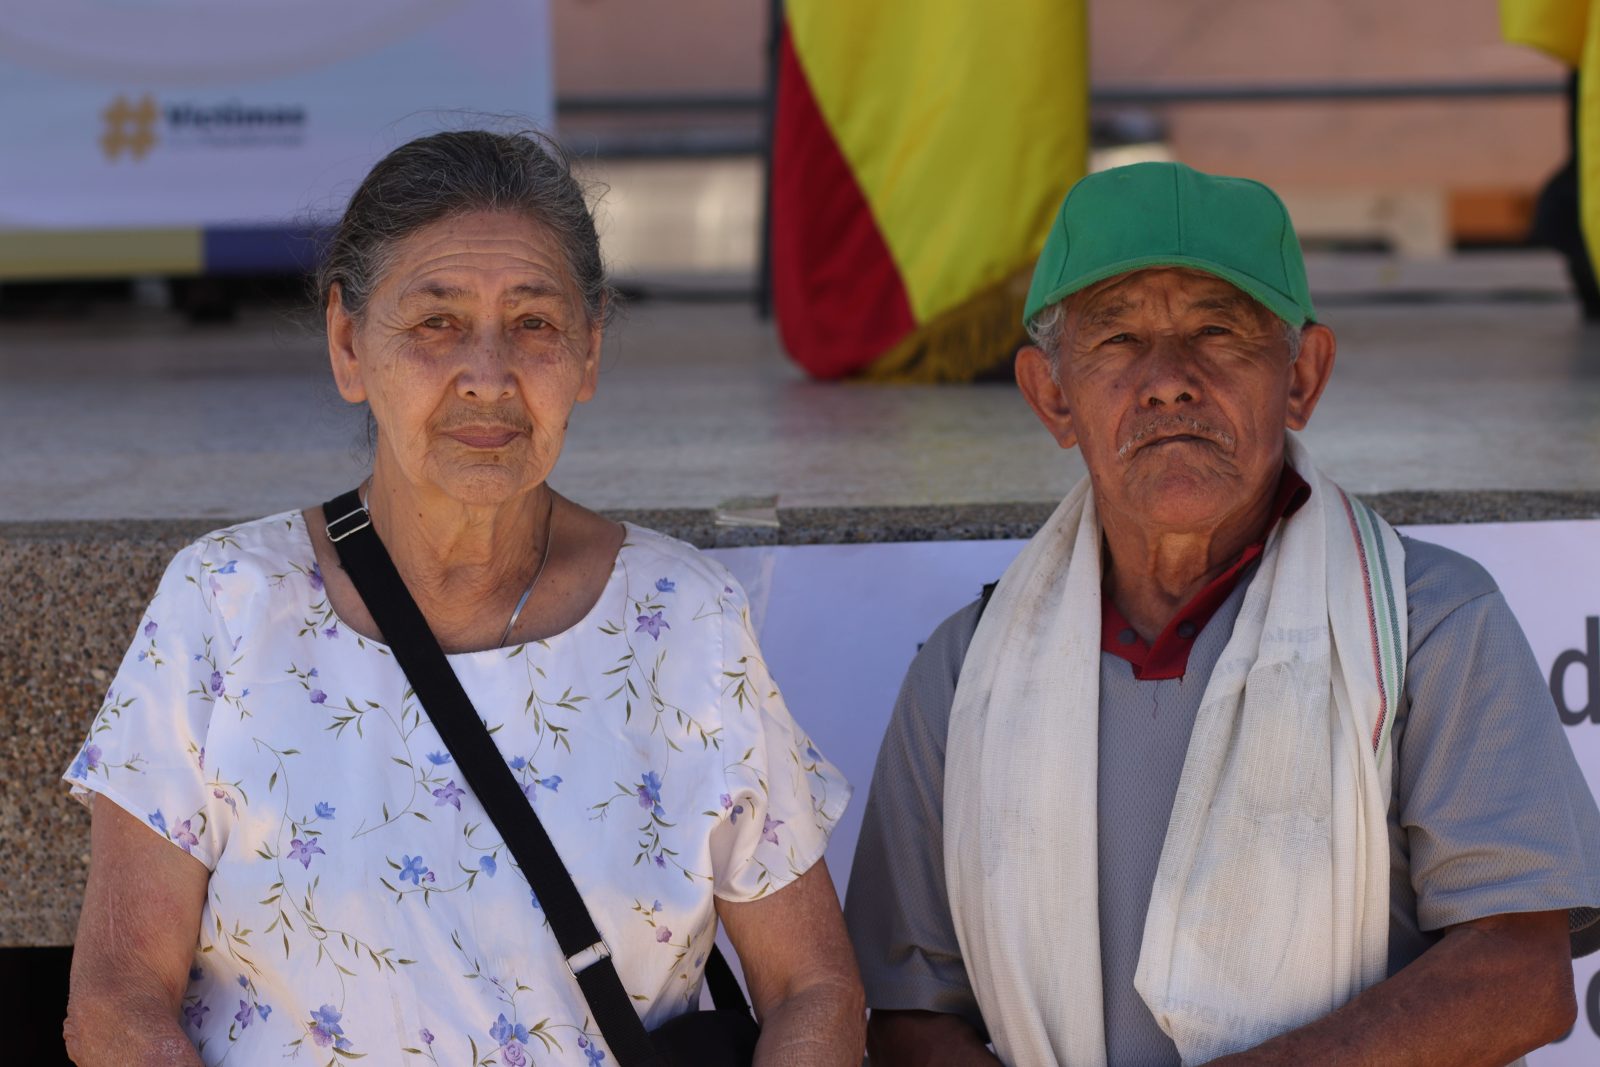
(840, 623)
(193, 113)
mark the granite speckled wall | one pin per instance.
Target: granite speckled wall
(72, 593)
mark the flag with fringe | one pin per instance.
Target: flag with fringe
(920, 149)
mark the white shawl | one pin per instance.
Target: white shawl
(1271, 901)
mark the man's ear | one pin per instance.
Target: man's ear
(1308, 375)
(1037, 378)
(341, 349)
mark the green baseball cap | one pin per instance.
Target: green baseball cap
(1169, 215)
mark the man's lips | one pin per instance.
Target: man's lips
(483, 436)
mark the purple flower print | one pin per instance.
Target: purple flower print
(324, 810)
(769, 828)
(158, 820)
(514, 1056)
(652, 625)
(325, 1028)
(663, 935)
(517, 763)
(552, 783)
(201, 759)
(226, 799)
(141, 656)
(230, 567)
(312, 673)
(314, 576)
(263, 1010)
(655, 906)
(195, 1014)
(449, 793)
(425, 1035)
(487, 865)
(244, 983)
(505, 1032)
(150, 628)
(216, 682)
(413, 869)
(184, 836)
(438, 759)
(244, 1015)
(87, 760)
(733, 810)
(332, 631)
(591, 1051)
(661, 860)
(303, 849)
(649, 791)
(318, 696)
(195, 974)
(666, 585)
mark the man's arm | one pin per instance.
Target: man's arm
(135, 942)
(925, 1039)
(1489, 991)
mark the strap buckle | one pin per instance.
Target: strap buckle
(583, 959)
(366, 520)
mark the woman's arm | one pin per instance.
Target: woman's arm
(801, 973)
(135, 943)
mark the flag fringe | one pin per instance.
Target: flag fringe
(972, 341)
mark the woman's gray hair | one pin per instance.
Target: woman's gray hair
(1044, 330)
(448, 174)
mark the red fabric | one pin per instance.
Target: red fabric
(839, 298)
(1168, 656)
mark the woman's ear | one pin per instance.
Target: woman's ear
(341, 349)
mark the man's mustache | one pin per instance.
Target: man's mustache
(1173, 426)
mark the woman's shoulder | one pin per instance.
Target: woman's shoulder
(682, 568)
(247, 558)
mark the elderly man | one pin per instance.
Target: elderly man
(1228, 772)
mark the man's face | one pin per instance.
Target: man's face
(1177, 387)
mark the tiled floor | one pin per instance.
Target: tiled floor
(134, 414)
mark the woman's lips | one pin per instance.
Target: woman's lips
(483, 437)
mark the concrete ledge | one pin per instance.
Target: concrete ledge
(71, 594)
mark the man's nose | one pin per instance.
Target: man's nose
(1168, 374)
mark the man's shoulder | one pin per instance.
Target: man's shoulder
(1439, 582)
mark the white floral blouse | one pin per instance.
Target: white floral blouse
(360, 902)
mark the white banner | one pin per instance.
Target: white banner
(194, 113)
(840, 623)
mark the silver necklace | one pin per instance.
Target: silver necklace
(544, 557)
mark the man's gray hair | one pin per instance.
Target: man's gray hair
(1047, 324)
(454, 173)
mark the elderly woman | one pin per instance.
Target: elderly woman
(286, 859)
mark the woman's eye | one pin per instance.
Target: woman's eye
(1119, 339)
(435, 322)
(534, 324)
(1215, 331)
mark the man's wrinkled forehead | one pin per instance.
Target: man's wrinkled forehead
(1118, 297)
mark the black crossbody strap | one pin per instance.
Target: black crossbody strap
(439, 690)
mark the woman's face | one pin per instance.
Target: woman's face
(472, 351)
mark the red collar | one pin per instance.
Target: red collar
(1168, 656)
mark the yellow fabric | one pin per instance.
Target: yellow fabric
(1569, 30)
(964, 124)
(1557, 27)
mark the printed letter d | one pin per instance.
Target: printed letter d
(1589, 659)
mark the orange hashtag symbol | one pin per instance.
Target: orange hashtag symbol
(129, 128)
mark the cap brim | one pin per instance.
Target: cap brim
(1279, 303)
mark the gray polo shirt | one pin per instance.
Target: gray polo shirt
(1491, 814)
